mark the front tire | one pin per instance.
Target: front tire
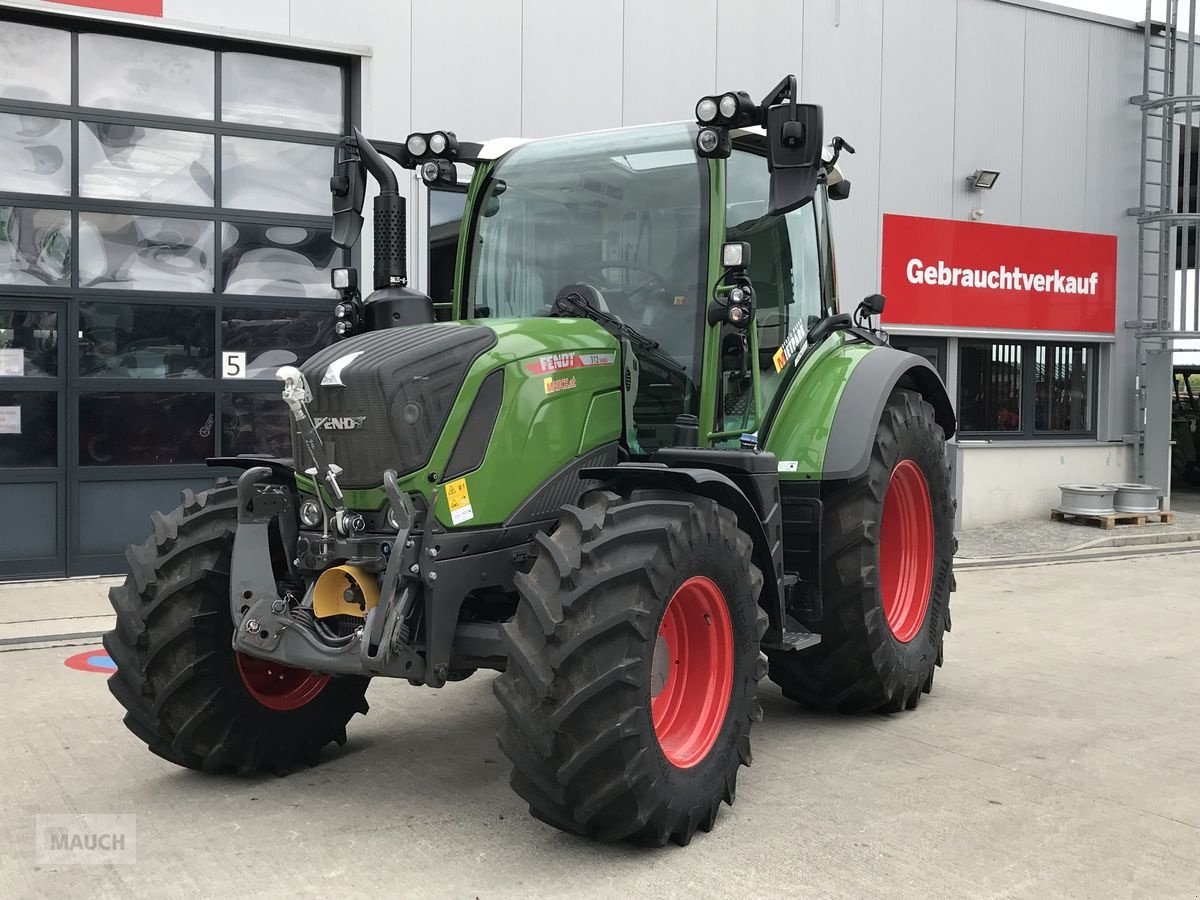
(633, 664)
(887, 544)
(188, 696)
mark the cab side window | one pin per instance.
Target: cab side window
(785, 265)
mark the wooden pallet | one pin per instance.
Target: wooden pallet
(1114, 519)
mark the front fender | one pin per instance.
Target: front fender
(878, 374)
(823, 427)
(720, 487)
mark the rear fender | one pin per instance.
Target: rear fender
(721, 488)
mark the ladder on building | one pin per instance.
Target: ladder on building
(1168, 215)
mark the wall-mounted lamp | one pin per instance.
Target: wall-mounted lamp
(983, 179)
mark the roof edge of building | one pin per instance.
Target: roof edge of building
(1073, 13)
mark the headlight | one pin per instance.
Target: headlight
(729, 106)
(437, 143)
(416, 144)
(341, 311)
(430, 171)
(706, 110)
(707, 140)
(342, 327)
(310, 512)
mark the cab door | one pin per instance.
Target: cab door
(791, 290)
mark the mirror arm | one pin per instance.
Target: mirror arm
(785, 90)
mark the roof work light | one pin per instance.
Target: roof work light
(423, 145)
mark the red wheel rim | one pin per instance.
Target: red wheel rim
(277, 686)
(692, 674)
(906, 550)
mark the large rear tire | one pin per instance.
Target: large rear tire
(887, 541)
(633, 664)
(188, 696)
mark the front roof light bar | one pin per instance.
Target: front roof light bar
(422, 146)
(717, 114)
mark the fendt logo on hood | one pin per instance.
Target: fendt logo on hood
(340, 423)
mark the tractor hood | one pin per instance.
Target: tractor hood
(406, 398)
(381, 399)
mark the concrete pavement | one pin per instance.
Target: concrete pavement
(1058, 756)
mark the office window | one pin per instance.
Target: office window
(163, 208)
(1026, 389)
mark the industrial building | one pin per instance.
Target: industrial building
(165, 237)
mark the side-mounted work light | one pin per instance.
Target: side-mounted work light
(735, 255)
(733, 304)
(344, 279)
(348, 311)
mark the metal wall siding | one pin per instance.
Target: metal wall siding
(842, 70)
(571, 67)
(1055, 123)
(466, 70)
(669, 49)
(268, 16)
(759, 41)
(916, 134)
(988, 107)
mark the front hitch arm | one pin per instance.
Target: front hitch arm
(265, 625)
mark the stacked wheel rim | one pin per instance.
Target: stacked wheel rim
(906, 550)
(692, 672)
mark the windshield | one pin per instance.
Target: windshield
(620, 212)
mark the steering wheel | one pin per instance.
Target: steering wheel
(589, 294)
(599, 268)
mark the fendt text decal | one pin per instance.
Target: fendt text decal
(949, 273)
(558, 362)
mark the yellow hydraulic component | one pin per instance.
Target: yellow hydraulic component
(345, 591)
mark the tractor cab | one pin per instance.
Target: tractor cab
(627, 227)
(614, 221)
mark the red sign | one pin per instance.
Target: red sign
(140, 7)
(974, 275)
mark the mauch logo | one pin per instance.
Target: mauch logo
(85, 840)
(340, 423)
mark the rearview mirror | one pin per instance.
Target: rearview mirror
(795, 138)
(347, 186)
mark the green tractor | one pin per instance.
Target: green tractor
(636, 462)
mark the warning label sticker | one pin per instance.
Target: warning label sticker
(459, 502)
(780, 359)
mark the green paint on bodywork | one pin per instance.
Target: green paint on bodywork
(799, 429)
(545, 419)
(603, 423)
(710, 371)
